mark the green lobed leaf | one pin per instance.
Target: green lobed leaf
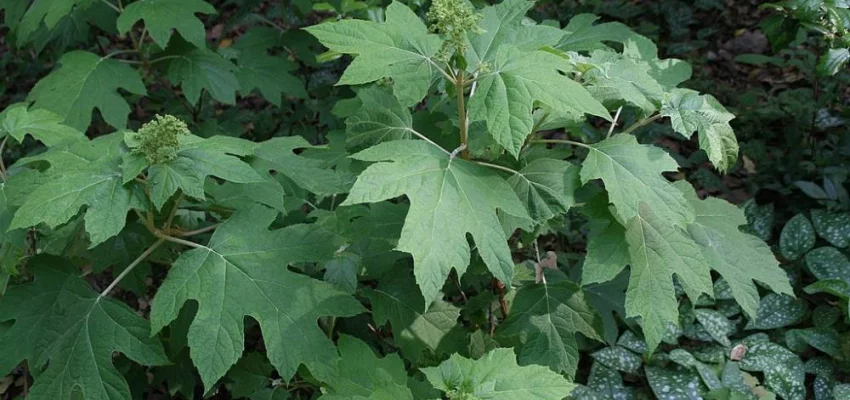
(199, 69)
(689, 111)
(583, 35)
(739, 257)
(362, 375)
(547, 187)
(47, 127)
(161, 17)
(94, 183)
(497, 376)
(546, 318)
(449, 198)
(798, 237)
(282, 155)
(632, 175)
(401, 48)
(242, 272)
(415, 327)
(380, 118)
(504, 25)
(49, 13)
(658, 250)
(269, 74)
(59, 321)
(505, 97)
(616, 78)
(196, 159)
(84, 81)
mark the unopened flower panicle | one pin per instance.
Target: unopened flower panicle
(158, 139)
(453, 18)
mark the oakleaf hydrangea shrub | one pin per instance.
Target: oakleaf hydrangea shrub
(405, 250)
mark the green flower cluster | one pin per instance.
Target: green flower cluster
(453, 18)
(158, 139)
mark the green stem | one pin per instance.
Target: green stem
(112, 6)
(643, 122)
(119, 52)
(499, 167)
(561, 141)
(461, 114)
(539, 123)
(614, 124)
(130, 267)
(200, 231)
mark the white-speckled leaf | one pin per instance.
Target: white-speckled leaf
(618, 358)
(716, 325)
(842, 392)
(760, 218)
(798, 237)
(673, 384)
(828, 263)
(824, 316)
(778, 310)
(783, 370)
(833, 227)
(687, 360)
(823, 339)
(608, 383)
(632, 342)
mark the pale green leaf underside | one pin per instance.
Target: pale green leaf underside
(691, 112)
(449, 198)
(242, 272)
(496, 376)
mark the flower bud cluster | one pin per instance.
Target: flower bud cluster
(453, 18)
(158, 139)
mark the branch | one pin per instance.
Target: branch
(561, 141)
(129, 268)
(200, 231)
(643, 122)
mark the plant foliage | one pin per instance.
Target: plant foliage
(393, 237)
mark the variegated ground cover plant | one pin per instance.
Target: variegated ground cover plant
(417, 248)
